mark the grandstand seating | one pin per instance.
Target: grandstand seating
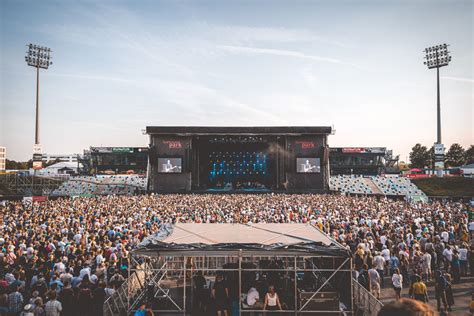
(101, 185)
(350, 184)
(393, 186)
(130, 184)
(397, 186)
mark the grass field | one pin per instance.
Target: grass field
(448, 186)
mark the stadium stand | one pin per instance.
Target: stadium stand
(397, 186)
(101, 185)
(393, 186)
(350, 184)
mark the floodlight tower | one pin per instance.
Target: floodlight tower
(39, 57)
(437, 57)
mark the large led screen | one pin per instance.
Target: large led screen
(308, 165)
(169, 165)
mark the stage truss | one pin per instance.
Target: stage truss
(165, 282)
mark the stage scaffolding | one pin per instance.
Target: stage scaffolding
(163, 275)
(169, 281)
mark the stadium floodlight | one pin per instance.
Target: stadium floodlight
(437, 57)
(38, 57)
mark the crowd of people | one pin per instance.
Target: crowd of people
(66, 256)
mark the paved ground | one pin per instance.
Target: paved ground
(462, 296)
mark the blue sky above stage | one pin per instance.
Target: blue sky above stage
(119, 66)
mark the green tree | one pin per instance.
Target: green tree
(16, 165)
(455, 156)
(419, 156)
(469, 155)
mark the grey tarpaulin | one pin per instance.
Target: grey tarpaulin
(298, 239)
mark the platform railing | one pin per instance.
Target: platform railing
(366, 303)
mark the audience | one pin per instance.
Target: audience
(67, 256)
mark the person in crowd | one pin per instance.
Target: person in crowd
(199, 289)
(220, 294)
(374, 280)
(463, 263)
(379, 265)
(15, 300)
(272, 300)
(406, 307)
(449, 291)
(426, 265)
(38, 307)
(441, 285)
(27, 310)
(418, 290)
(456, 267)
(53, 307)
(144, 310)
(253, 298)
(363, 277)
(397, 282)
(73, 247)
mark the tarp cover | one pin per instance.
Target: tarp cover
(190, 237)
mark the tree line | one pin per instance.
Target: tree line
(421, 157)
(23, 165)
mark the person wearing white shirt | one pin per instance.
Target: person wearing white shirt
(85, 271)
(60, 267)
(448, 257)
(426, 266)
(77, 238)
(397, 281)
(445, 236)
(379, 264)
(471, 228)
(463, 259)
(253, 298)
(374, 278)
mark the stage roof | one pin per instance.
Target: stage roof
(191, 238)
(235, 130)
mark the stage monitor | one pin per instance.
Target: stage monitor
(169, 165)
(308, 165)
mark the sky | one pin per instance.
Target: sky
(119, 66)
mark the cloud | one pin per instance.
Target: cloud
(91, 77)
(275, 52)
(467, 80)
(250, 34)
(282, 53)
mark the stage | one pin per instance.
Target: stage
(238, 159)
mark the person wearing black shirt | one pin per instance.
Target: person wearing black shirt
(220, 293)
(199, 283)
